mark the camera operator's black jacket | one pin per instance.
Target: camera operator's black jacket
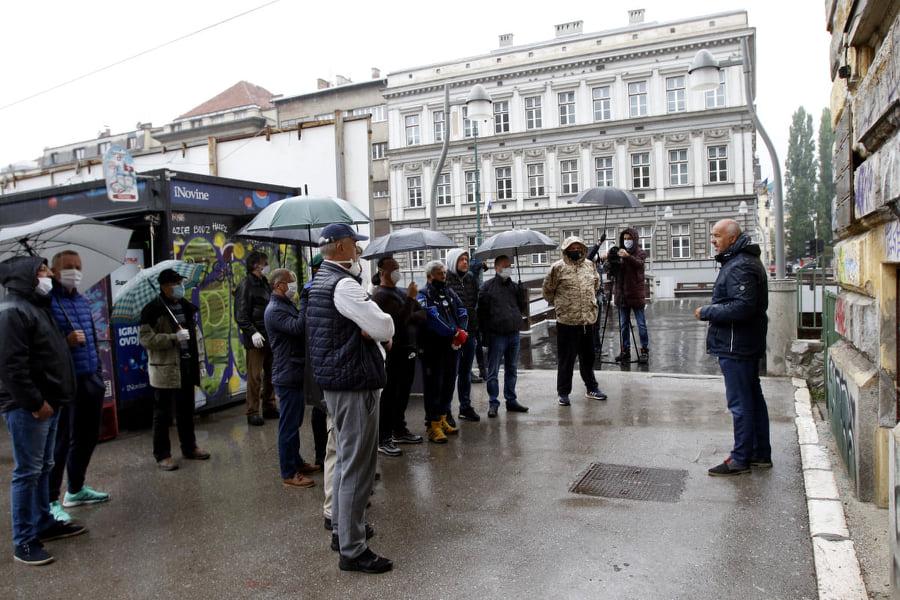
(737, 313)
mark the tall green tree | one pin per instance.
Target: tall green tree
(800, 183)
(825, 181)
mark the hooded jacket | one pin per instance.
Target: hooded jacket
(465, 285)
(571, 287)
(737, 314)
(631, 291)
(35, 362)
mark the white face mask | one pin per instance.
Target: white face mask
(44, 286)
(352, 265)
(629, 244)
(395, 276)
(291, 290)
(70, 278)
(504, 273)
(265, 270)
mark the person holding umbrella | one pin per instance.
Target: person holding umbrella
(571, 287)
(465, 283)
(169, 332)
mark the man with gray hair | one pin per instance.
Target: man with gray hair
(442, 337)
(346, 332)
(737, 337)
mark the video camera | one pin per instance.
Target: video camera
(613, 261)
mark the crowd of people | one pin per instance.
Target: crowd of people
(347, 355)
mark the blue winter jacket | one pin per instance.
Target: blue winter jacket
(72, 311)
(286, 328)
(445, 313)
(737, 313)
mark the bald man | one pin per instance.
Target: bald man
(737, 337)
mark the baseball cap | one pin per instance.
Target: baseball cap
(339, 231)
(169, 276)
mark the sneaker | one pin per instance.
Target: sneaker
(255, 420)
(59, 530)
(516, 407)
(469, 414)
(644, 356)
(595, 395)
(85, 495)
(167, 464)
(299, 480)
(492, 411)
(727, 469)
(407, 437)
(761, 463)
(436, 433)
(33, 554)
(367, 562)
(307, 469)
(624, 356)
(388, 448)
(335, 541)
(564, 401)
(449, 425)
(57, 512)
(197, 454)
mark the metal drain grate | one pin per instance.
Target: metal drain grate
(631, 482)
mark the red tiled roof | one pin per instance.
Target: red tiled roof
(243, 93)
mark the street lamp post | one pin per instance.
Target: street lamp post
(704, 76)
(479, 109)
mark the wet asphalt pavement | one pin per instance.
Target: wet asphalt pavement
(488, 515)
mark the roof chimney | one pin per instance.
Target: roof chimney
(376, 73)
(635, 16)
(341, 80)
(506, 40)
(322, 84)
(570, 28)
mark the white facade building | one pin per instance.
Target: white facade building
(582, 110)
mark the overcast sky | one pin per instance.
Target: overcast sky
(286, 46)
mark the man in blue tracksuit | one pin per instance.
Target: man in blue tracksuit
(737, 336)
(79, 422)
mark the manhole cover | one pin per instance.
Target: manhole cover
(630, 482)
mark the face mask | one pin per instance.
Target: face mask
(438, 285)
(178, 291)
(503, 273)
(575, 255)
(265, 270)
(44, 286)
(395, 277)
(629, 244)
(291, 290)
(70, 278)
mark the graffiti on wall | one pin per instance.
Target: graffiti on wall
(848, 258)
(892, 242)
(877, 181)
(842, 406)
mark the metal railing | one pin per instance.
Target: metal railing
(813, 283)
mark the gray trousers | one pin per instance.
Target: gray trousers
(354, 415)
(330, 459)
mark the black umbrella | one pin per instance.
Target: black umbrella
(510, 242)
(608, 197)
(407, 240)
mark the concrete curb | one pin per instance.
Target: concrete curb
(837, 567)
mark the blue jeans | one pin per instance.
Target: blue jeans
(32, 446)
(289, 421)
(464, 372)
(640, 319)
(748, 410)
(505, 347)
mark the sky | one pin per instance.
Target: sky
(286, 46)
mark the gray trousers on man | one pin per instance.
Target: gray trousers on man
(354, 415)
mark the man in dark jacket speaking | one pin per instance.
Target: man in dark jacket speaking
(36, 378)
(737, 336)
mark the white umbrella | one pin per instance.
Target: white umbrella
(101, 246)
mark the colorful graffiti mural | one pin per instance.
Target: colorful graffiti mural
(842, 412)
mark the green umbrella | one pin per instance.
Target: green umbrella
(306, 212)
(143, 288)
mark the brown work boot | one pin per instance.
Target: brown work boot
(298, 481)
(436, 433)
(306, 469)
(447, 427)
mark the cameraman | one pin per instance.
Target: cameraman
(625, 264)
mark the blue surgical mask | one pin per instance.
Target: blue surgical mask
(178, 291)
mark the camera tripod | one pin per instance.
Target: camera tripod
(605, 306)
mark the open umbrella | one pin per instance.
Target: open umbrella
(407, 240)
(101, 246)
(305, 212)
(608, 197)
(510, 242)
(143, 288)
(301, 237)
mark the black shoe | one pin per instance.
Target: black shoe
(407, 437)
(492, 411)
(60, 530)
(469, 414)
(761, 463)
(516, 407)
(33, 554)
(367, 562)
(727, 469)
(328, 526)
(644, 356)
(477, 378)
(335, 542)
(271, 413)
(624, 356)
(255, 420)
(451, 421)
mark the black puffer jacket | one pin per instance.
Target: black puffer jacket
(251, 299)
(737, 314)
(35, 362)
(465, 285)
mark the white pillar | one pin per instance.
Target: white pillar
(584, 111)
(516, 113)
(622, 168)
(619, 96)
(659, 159)
(656, 90)
(458, 186)
(520, 180)
(550, 116)
(699, 164)
(586, 167)
(736, 164)
(427, 170)
(551, 183)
